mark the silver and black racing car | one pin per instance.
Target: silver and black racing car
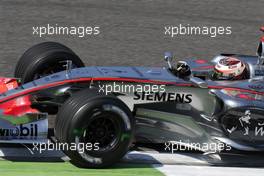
(195, 101)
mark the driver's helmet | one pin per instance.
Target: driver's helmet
(230, 68)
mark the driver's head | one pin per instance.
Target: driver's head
(230, 68)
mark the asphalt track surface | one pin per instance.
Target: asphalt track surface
(132, 33)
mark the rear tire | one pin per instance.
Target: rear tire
(91, 118)
(44, 59)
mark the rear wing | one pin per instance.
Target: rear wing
(260, 50)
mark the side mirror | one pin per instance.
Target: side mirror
(168, 58)
(260, 53)
(199, 82)
(260, 50)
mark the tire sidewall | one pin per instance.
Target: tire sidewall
(49, 58)
(124, 117)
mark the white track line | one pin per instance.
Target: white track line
(182, 170)
(179, 164)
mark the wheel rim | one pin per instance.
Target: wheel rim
(103, 129)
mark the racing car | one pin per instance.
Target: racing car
(112, 108)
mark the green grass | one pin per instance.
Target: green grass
(9, 168)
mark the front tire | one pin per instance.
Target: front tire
(44, 59)
(103, 122)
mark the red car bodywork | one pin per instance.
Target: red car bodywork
(18, 106)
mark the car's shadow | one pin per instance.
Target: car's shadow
(25, 153)
(143, 158)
